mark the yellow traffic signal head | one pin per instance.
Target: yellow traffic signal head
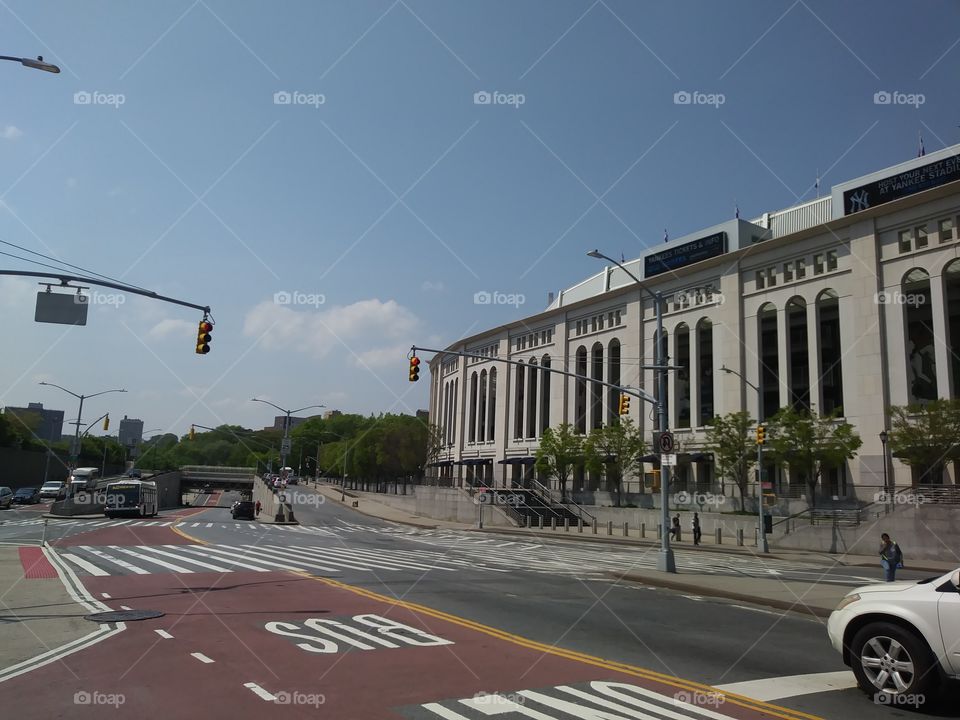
(203, 337)
(106, 423)
(414, 368)
(761, 434)
(624, 404)
(193, 432)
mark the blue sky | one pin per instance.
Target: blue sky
(383, 196)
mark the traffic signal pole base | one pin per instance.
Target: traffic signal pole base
(665, 561)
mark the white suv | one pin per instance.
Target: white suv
(900, 639)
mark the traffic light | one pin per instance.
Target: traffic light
(106, 423)
(203, 337)
(414, 368)
(193, 432)
(761, 435)
(624, 404)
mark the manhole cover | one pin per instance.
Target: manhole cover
(124, 615)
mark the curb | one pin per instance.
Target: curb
(379, 517)
(813, 611)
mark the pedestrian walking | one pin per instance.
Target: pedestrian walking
(258, 508)
(675, 530)
(891, 557)
(697, 534)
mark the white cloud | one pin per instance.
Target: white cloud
(367, 327)
(382, 357)
(11, 132)
(171, 326)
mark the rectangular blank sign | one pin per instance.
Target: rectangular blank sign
(61, 308)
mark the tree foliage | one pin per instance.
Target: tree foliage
(560, 451)
(615, 449)
(807, 444)
(733, 444)
(926, 436)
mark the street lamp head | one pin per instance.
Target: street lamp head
(39, 64)
(883, 437)
(595, 254)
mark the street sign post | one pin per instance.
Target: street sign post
(285, 445)
(664, 442)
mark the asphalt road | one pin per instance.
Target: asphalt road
(557, 593)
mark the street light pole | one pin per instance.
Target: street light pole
(37, 64)
(886, 484)
(75, 450)
(285, 446)
(665, 558)
(761, 535)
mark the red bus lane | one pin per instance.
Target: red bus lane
(294, 645)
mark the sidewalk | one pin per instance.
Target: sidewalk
(36, 611)
(809, 598)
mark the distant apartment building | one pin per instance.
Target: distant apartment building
(331, 414)
(130, 433)
(50, 427)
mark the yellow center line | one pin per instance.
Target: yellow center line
(681, 683)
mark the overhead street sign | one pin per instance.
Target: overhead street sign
(285, 446)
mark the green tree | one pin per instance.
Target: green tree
(729, 437)
(560, 451)
(807, 444)
(926, 436)
(614, 450)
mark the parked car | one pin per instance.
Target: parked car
(900, 639)
(243, 509)
(6, 497)
(27, 496)
(53, 489)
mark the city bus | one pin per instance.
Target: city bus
(131, 497)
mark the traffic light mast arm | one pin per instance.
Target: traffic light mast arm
(636, 392)
(84, 433)
(64, 279)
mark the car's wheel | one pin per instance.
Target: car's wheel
(891, 662)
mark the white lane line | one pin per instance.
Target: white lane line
(164, 634)
(264, 695)
(195, 525)
(202, 658)
(792, 685)
(209, 525)
(155, 561)
(105, 596)
(124, 607)
(116, 561)
(229, 561)
(84, 565)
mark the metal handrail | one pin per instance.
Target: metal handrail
(577, 509)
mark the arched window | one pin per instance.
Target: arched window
(492, 405)
(472, 436)
(613, 376)
(918, 320)
(769, 361)
(596, 390)
(580, 393)
(544, 394)
(798, 353)
(681, 338)
(445, 413)
(705, 372)
(951, 279)
(518, 403)
(663, 357)
(453, 416)
(831, 354)
(532, 399)
(482, 407)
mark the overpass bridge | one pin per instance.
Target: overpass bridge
(212, 477)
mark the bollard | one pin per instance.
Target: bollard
(718, 536)
(580, 525)
(643, 530)
(740, 537)
(541, 521)
(609, 527)
(594, 526)
(553, 523)
(625, 532)
(659, 531)
(566, 524)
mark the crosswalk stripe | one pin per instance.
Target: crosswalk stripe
(232, 552)
(155, 561)
(180, 558)
(83, 564)
(228, 561)
(248, 549)
(116, 561)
